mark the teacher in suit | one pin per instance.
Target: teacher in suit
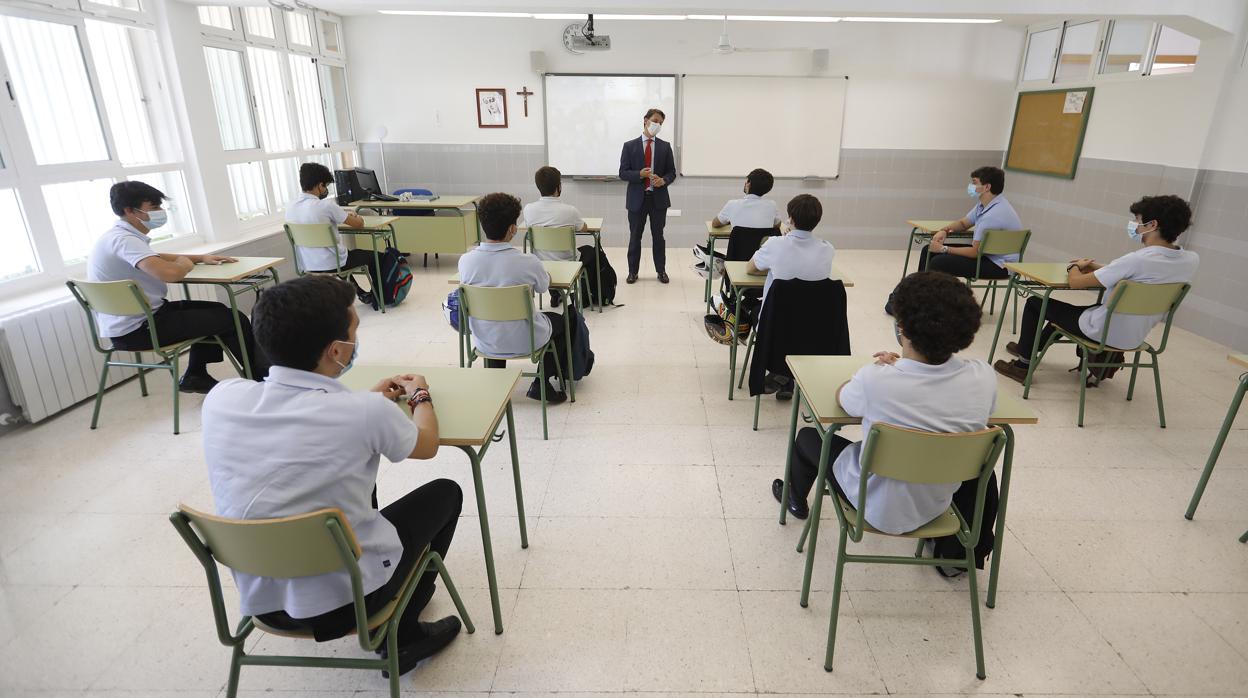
(648, 166)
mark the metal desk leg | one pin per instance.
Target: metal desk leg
(909, 246)
(486, 543)
(710, 269)
(788, 458)
(1035, 343)
(598, 266)
(1009, 288)
(238, 330)
(570, 297)
(732, 351)
(1217, 446)
(816, 508)
(515, 476)
(1007, 465)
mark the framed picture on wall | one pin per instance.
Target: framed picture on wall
(491, 107)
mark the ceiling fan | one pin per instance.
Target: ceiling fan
(724, 46)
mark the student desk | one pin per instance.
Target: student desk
(921, 232)
(1039, 279)
(593, 228)
(247, 274)
(1240, 360)
(713, 234)
(740, 279)
(564, 276)
(818, 379)
(469, 405)
(454, 233)
(376, 228)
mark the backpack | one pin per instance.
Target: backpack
(609, 279)
(396, 278)
(582, 355)
(450, 309)
(1099, 374)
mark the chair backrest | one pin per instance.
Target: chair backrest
(292, 546)
(122, 297)
(311, 234)
(743, 242)
(500, 303)
(1004, 242)
(924, 457)
(548, 239)
(1136, 298)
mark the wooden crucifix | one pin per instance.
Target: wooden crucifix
(526, 94)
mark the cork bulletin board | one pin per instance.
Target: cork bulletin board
(1048, 130)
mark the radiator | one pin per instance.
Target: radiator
(48, 361)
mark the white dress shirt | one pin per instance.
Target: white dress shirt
(997, 215)
(295, 443)
(550, 212)
(497, 264)
(753, 211)
(116, 256)
(797, 254)
(1150, 265)
(309, 208)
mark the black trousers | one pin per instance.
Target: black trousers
(1064, 315)
(637, 226)
(560, 346)
(806, 469)
(425, 516)
(177, 321)
(356, 258)
(961, 266)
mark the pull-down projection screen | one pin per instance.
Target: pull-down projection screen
(588, 118)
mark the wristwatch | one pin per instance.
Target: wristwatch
(418, 397)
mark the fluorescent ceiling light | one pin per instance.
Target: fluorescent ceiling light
(549, 15)
(766, 18)
(644, 17)
(449, 13)
(923, 20)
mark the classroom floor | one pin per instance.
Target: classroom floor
(656, 564)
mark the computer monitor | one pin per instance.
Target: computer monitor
(348, 185)
(367, 180)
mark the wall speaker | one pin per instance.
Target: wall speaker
(537, 61)
(819, 60)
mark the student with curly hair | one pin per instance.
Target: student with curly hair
(926, 388)
(1156, 224)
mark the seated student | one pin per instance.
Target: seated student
(301, 441)
(750, 211)
(550, 212)
(312, 207)
(925, 388)
(496, 263)
(1158, 221)
(124, 252)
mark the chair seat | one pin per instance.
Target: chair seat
(944, 525)
(168, 348)
(375, 621)
(353, 270)
(522, 357)
(1095, 346)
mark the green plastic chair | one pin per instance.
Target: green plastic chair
(323, 235)
(501, 304)
(1130, 298)
(559, 239)
(916, 456)
(997, 242)
(319, 542)
(126, 298)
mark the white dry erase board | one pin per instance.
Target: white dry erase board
(588, 118)
(790, 126)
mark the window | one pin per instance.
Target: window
(272, 110)
(307, 92)
(132, 5)
(298, 29)
(177, 203)
(79, 212)
(140, 112)
(247, 185)
(331, 42)
(1041, 49)
(284, 174)
(1078, 44)
(258, 23)
(217, 16)
(337, 108)
(229, 94)
(1125, 46)
(1176, 52)
(19, 258)
(49, 80)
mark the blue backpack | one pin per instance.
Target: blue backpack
(396, 278)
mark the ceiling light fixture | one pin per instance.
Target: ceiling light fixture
(450, 13)
(922, 20)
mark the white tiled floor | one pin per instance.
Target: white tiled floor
(656, 564)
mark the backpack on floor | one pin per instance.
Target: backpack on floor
(450, 309)
(396, 278)
(609, 279)
(1099, 374)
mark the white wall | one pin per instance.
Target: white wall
(911, 86)
(1227, 145)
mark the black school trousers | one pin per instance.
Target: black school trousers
(425, 516)
(1063, 315)
(560, 346)
(360, 258)
(637, 226)
(177, 321)
(960, 266)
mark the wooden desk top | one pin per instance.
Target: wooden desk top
(739, 277)
(930, 227)
(820, 377)
(562, 274)
(1051, 274)
(1241, 359)
(230, 272)
(593, 224)
(440, 202)
(714, 232)
(468, 401)
(372, 224)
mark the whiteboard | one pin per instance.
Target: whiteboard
(588, 118)
(789, 126)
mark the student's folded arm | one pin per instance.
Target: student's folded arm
(753, 269)
(718, 222)
(1080, 280)
(970, 252)
(426, 421)
(354, 220)
(850, 396)
(169, 271)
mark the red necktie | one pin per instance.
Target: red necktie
(648, 159)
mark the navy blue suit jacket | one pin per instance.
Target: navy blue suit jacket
(633, 160)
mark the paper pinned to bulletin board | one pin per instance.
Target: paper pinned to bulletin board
(1047, 136)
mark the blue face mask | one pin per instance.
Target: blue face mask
(355, 351)
(1133, 231)
(897, 333)
(970, 191)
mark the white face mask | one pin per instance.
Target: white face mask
(970, 191)
(1133, 231)
(653, 128)
(155, 219)
(355, 351)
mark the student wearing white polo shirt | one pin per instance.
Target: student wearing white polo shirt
(1156, 223)
(550, 212)
(312, 206)
(496, 263)
(750, 211)
(991, 212)
(301, 441)
(125, 252)
(925, 387)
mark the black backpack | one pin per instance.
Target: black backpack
(609, 278)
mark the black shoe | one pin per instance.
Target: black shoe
(367, 298)
(797, 507)
(632, 279)
(555, 299)
(774, 382)
(1014, 349)
(785, 393)
(663, 278)
(1015, 370)
(192, 383)
(432, 638)
(553, 395)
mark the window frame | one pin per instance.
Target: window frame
(236, 16)
(1094, 57)
(325, 51)
(1052, 72)
(1104, 52)
(98, 10)
(279, 29)
(314, 49)
(1158, 27)
(1104, 34)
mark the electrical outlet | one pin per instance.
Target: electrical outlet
(673, 212)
